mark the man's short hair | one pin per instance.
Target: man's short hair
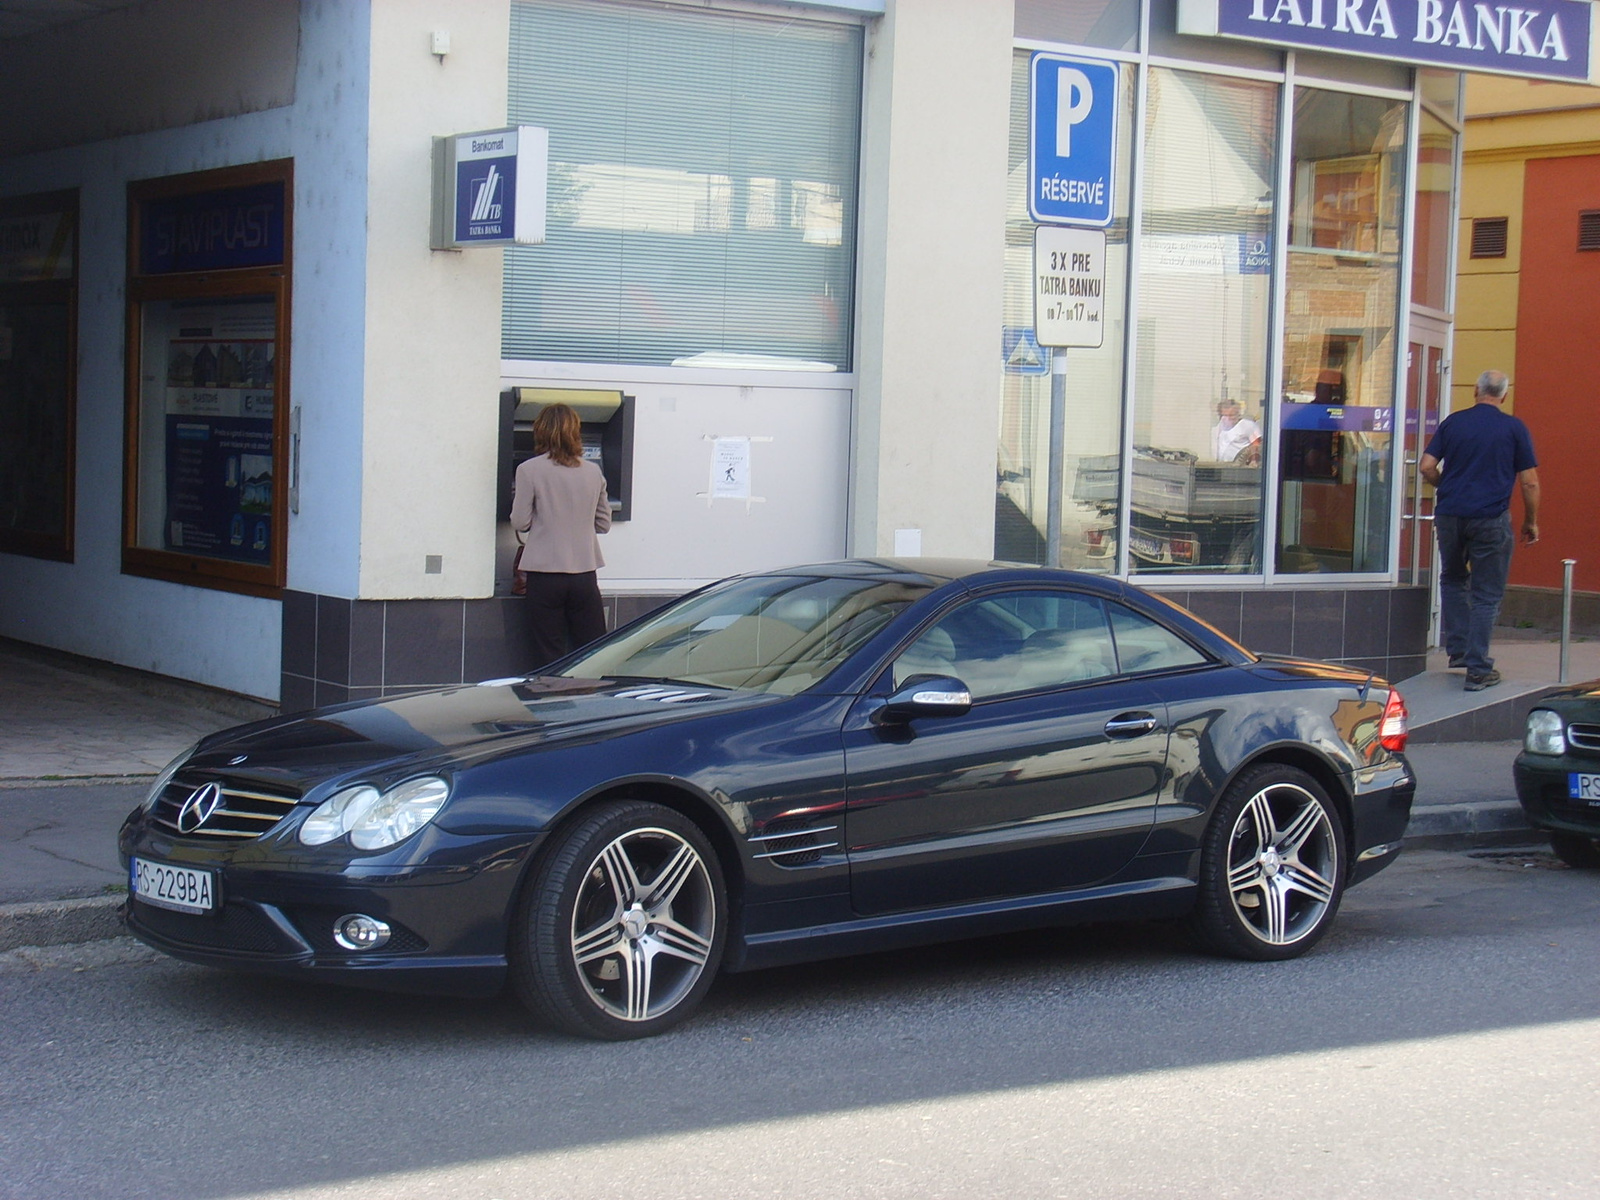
(1493, 384)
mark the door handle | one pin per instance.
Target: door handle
(1130, 724)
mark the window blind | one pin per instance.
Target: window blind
(702, 184)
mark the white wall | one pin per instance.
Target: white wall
(678, 537)
(931, 273)
(432, 353)
(88, 606)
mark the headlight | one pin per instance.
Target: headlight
(1547, 733)
(375, 820)
(335, 815)
(167, 772)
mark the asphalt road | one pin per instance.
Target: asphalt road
(1440, 1043)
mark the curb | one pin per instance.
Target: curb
(1471, 823)
(59, 922)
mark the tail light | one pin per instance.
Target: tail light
(1185, 550)
(1392, 732)
(1094, 538)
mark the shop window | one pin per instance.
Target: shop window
(38, 357)
(702, 200)
(1489, 237)
(1205, 286)
(1589, 230)
(207, 426)
(1092, 378)
(1340, 320)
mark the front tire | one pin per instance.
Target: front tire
(1271, 866)
(1576, 850)
(621, 927)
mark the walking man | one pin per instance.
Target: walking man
(1474, 459)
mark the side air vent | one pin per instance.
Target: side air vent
(1489, 237)
(1589, 230)
(792, 842)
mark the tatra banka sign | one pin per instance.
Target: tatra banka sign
(1542, 39)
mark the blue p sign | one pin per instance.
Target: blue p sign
(1072, 140)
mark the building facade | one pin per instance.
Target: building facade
(1529, 268)
(1133, 286)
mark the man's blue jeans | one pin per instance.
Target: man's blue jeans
(1474, 560)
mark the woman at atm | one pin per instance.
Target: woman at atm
(561, 504)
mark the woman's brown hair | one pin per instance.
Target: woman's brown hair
(558, 433)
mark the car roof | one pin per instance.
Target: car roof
(973, 574)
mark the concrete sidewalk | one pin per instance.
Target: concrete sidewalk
(80, 743)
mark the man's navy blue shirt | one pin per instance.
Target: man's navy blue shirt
(1482, 450)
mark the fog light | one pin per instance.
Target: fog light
(355, 931)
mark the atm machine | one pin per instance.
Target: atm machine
(607, 419)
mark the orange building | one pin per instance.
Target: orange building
(1528, 303)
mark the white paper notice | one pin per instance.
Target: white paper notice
(730, 468)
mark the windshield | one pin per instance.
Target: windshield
(768, 633)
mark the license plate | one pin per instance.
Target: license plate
(1145, 547)
(1583, 787)
(182, 888)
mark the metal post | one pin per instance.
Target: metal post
(1058, 432)
(1566, 615)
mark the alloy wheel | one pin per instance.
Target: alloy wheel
(643, 925)
(1283, 864)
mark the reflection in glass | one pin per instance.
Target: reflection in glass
(1092, 445)
(1339, 347)
(1430, 250)
(1205, 266)
(1110, 24)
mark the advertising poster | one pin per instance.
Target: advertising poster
(219, 408)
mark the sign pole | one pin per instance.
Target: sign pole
(1058, 439)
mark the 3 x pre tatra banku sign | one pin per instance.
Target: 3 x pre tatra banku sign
(1552, 39)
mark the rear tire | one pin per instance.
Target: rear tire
(1576, 850)
(1272, 866)
(620, 929)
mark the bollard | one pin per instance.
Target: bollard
(1566, 615)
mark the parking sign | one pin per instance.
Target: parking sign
(1072, 139)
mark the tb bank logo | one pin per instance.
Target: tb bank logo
(486, 205)
(1072, 140)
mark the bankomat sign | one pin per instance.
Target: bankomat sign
(1546, 39)
(1072, 140)
(489, 187)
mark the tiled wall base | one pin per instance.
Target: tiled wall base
(336, 650)
(1374, 629)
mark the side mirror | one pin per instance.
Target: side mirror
(927, 696)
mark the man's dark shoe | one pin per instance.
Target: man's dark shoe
(1476, 683)
(1457, 661)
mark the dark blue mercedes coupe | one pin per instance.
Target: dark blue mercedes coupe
(784, 766)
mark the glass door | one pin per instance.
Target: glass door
(1425, 392)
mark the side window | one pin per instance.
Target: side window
(1144, 645)
(1015, 643)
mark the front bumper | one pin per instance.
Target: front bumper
(1542, 791)
(447, 899)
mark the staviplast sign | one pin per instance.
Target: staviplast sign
(1544, 39)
